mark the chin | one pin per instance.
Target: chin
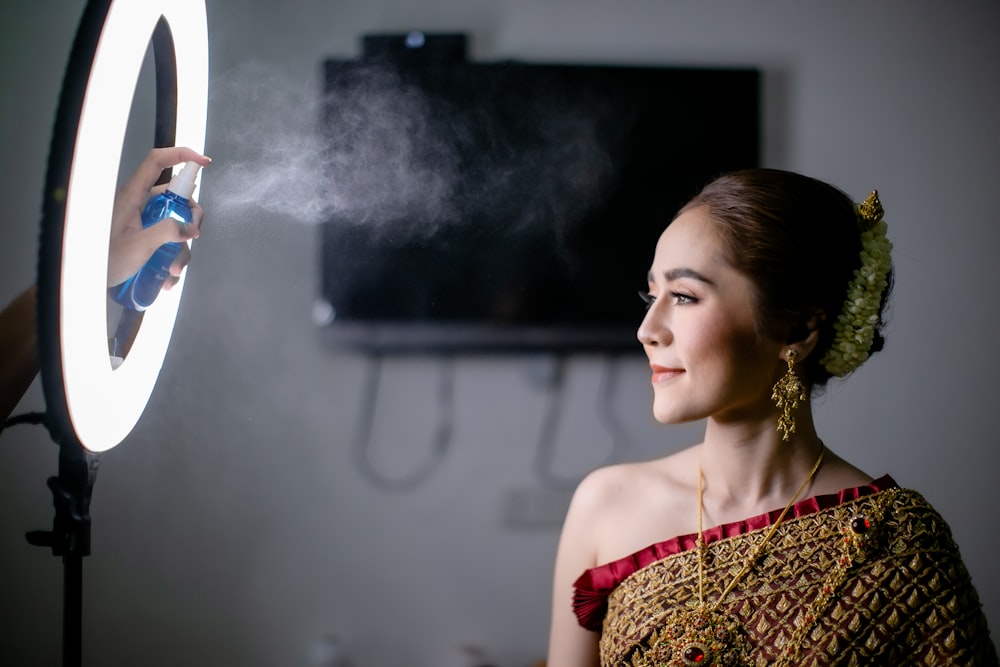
(670, 414)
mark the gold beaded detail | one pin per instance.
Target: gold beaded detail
(870, 211)
(859, 539)
(787, 393)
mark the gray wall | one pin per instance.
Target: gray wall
(232, 527)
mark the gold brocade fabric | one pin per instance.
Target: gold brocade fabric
(817, 598)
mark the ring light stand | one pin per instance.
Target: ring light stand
(90, 406)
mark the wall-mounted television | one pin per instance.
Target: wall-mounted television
(510, 206)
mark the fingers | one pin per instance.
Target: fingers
(131, 245)
(197, 215)
(128, 253)
(192, 230)
(155, 162)
(168, 230)
(181, 261)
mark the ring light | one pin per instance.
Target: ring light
(102, 405)
(90, 408)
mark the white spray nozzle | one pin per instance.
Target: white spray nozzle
(183, 183)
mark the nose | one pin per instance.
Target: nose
(653, 330)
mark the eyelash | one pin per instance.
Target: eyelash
(680, 299)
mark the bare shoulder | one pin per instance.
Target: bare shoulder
(629, 506)
(608, 488)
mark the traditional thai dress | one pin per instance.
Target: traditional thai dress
(867, 576)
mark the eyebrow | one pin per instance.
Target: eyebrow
(675, 274)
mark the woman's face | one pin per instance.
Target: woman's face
(705, 353)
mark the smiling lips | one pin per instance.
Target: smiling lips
(662, 373)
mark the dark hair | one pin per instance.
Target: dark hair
(797, 239)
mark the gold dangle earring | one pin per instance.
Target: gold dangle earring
(787, 393)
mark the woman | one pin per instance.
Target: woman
(762, 288)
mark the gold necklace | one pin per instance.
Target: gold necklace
(706, 636)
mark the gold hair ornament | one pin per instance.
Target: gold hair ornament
(787, 393)
(855, 327)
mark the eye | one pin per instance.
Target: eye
(647, 299)
(682, 299)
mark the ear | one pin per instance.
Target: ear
(804, 346)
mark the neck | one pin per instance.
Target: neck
(748, 468)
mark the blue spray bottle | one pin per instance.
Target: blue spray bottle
(139, 291)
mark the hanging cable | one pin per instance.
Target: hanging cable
(545, 450)
(441, 439)
(26, 418)
(605, 408)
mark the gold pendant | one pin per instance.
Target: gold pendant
(699, 638)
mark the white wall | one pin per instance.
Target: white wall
(231, 526)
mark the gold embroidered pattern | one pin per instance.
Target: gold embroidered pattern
(702, 638)
(874, 581)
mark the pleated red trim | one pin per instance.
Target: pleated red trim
(590, 599)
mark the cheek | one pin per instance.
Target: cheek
(734, 351)
(755, 363)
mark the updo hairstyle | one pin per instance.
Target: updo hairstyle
(797, 239)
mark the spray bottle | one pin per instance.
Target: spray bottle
(139, 292)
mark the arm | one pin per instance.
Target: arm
(18, 351)
(130, 247)
(570, 645)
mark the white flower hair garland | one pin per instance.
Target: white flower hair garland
(854, 329)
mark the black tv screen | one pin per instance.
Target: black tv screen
(510, 206)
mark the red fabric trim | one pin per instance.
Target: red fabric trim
(590, 599)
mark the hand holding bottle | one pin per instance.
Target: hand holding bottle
(130, 248)
(131, 245)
